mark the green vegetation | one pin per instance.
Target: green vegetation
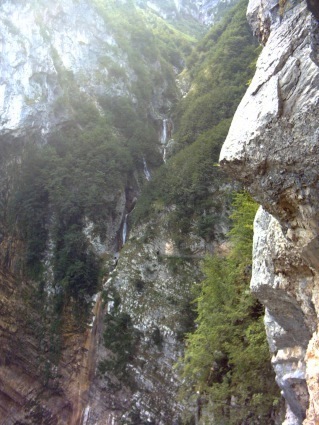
(218, 69)
(46, 327)
(119, 337)
(73, 180)
(153, 47)
(50, 193)
(227, 360)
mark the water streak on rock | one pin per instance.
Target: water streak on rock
(124, 230)
(146, 170)
(164, 132)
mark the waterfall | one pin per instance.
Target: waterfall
(166, 135)
(86, 415)
(146, 170)
(164, 132)
(177, 5)
(124, 230)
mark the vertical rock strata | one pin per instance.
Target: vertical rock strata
(273, 148)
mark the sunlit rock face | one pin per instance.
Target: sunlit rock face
(273, 147)
(44, 46)
(204, 11)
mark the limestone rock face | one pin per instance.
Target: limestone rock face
(42, 47)
(46, 45)
(152, 285)
(273, 147)
(204, 11)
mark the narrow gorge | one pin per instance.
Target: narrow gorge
(131, 165)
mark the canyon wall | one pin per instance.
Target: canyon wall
(207, 11)
(57, 58)
(51, 55)
(273, 149)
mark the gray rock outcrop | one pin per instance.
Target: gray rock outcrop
(42, 54)
(273, 148)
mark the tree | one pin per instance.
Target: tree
(227, 359)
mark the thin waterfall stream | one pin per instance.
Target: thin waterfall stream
(166, 135)
(164, 132)
(146, 170)
(124, 230)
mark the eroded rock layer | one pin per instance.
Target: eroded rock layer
(273, 148)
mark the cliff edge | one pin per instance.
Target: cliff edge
(273, 148)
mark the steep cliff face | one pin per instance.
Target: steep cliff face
(272, 147)
(37, 55)
(152, 287)
(70, 77)
(55, 59)
(205, 12)
(52, 52)
(26, 394)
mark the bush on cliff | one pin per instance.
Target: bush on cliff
(227, 359)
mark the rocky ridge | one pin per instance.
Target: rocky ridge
(272, 147)
(153, 281)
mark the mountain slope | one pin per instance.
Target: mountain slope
(80, 117)
(181, 216)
